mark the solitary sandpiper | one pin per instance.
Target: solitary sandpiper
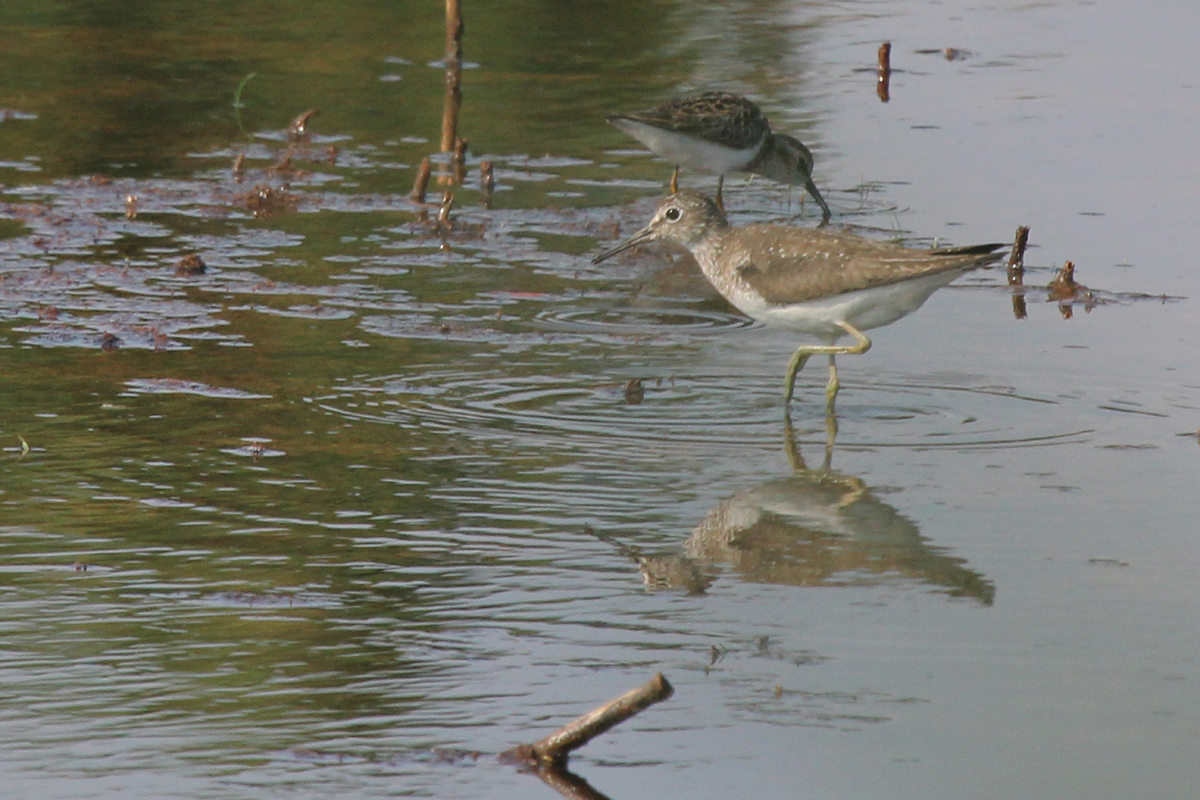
(820, 283)
(721, 132)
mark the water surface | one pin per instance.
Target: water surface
(365, 494)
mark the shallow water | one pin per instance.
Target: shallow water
(363, 495)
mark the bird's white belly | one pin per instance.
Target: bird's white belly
(688, 151)
(864, 308)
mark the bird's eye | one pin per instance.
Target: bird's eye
(673, 214)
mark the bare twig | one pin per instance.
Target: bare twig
(421, 184)
(554, 749)
(443, 217)
(883, 84)
(298, 131)
(1016, 270)
(1016, 259)
(450, 109)
(454, 32)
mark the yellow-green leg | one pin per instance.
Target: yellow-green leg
(831, 388)
(675, 180)
(797, 363)
(720, 186)
(861, 345)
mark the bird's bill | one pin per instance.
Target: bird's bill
(641, 237)
(816, 195)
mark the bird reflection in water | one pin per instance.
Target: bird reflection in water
(815, 527)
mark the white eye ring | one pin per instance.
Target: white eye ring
(673, 214)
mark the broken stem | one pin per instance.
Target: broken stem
(883, 84)
(421, 184)
(555, 748)
(1016, 259)
(454, 32)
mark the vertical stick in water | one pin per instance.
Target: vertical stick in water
(884, 81)
(1016, 270)
(454, 32)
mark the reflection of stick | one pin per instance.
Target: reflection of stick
(487, 182)
(882, 85)
(553, 750)
(1019, 310)
(569, 785)
(454, 33)
(460, 159)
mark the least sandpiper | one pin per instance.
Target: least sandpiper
(721, 132)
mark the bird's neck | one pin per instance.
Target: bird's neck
(765, 157)
(707, 253)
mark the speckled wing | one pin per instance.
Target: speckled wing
(778, 263)
(716, 116)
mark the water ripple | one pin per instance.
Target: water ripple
(606, 410)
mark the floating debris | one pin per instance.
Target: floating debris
(255, 449)
(298, 131)
(948, 53)
(190, 265)
(10, 114)
(267, 201)
(286, 169)
(1066, 291)
(1064, 285)
(634, 392)
(176, 386)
